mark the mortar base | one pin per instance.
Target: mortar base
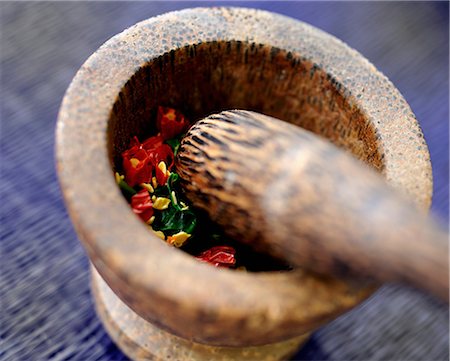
(141, 340)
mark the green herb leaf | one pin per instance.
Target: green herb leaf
(173, 179)
(173, 220)
(175, 144)
(127, 191)
(171, 186)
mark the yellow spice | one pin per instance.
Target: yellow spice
(162, 166)
(161, 203)
(160, 234)
(174, 198)
(178, 239)
(147, 186)
(134, 162)
(118, 177)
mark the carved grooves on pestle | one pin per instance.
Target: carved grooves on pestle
(201, 167)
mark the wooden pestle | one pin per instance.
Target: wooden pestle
(289, 193)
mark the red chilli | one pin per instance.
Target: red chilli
(170, 122)
(142, 205)
(136, 165)
(140, 160)
(219, 256)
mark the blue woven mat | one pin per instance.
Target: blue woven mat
(46, 307)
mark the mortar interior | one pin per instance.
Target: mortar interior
(211, 77)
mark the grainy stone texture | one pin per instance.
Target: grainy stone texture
(47, 309)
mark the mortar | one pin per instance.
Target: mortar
(157, 301)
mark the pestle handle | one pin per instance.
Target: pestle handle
(289, 193)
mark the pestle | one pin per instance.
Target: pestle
(289, 193)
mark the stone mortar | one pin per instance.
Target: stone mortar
(201, 61)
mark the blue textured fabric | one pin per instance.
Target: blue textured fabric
(46, 307)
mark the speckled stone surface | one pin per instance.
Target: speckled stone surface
(267, 308)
